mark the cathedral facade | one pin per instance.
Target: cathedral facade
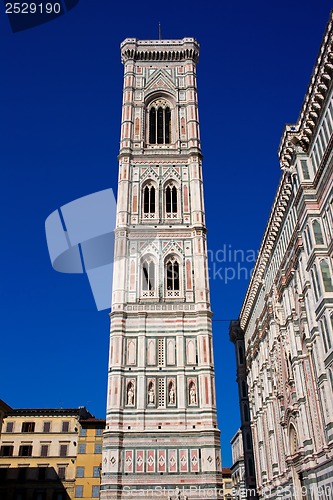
(161, 438)
(287, 316)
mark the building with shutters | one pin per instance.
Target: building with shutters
(238, 466)
(38, 453)
(89, 458)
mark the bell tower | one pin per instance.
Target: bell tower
(161, 430)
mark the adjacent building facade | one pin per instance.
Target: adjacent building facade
(238, 466)
(161, 430)
(50, 454)
(89, 458)
(227, 484)
(244, 467)
(287, 316)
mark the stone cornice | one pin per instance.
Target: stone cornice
(272, 231)
(296, 139)
(159, 50)
(301, 134)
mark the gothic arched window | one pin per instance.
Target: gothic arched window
(172, 275)
(317, 233)
(171, 199)
(159, 124)
(326, 275)
(149, 200)
(148, 278)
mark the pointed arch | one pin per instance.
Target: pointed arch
(293, 439)
(317, 232)
(130, 394)
(131, 351)
(326, 275)
(171, 352)
(159, 122)
(192, 394)
(151, 352)
(171, 199)
(171, 393)
(172, 276)
(148, 276)
(149, 194)
(151, 393)
(191, 351)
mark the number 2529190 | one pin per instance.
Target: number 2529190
(33, 8)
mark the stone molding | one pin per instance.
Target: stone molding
(302, 133)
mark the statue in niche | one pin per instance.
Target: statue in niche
(171, 395)
(193, 395)
(130, 395)
(151, 395)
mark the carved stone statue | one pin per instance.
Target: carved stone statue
(193, 396)
(151, 395)
(171, 395)
(130, 395)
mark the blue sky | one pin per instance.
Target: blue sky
(60, 121)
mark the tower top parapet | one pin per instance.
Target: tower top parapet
(160, 50)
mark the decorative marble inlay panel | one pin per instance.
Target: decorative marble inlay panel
(183, 459)
(151, 461)
(151, 351)
(128, 461)
(139, 462)
(194, 460)
(171, 352)
(190, 351)
(131, 351)
(161, 461)
(172, 460)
